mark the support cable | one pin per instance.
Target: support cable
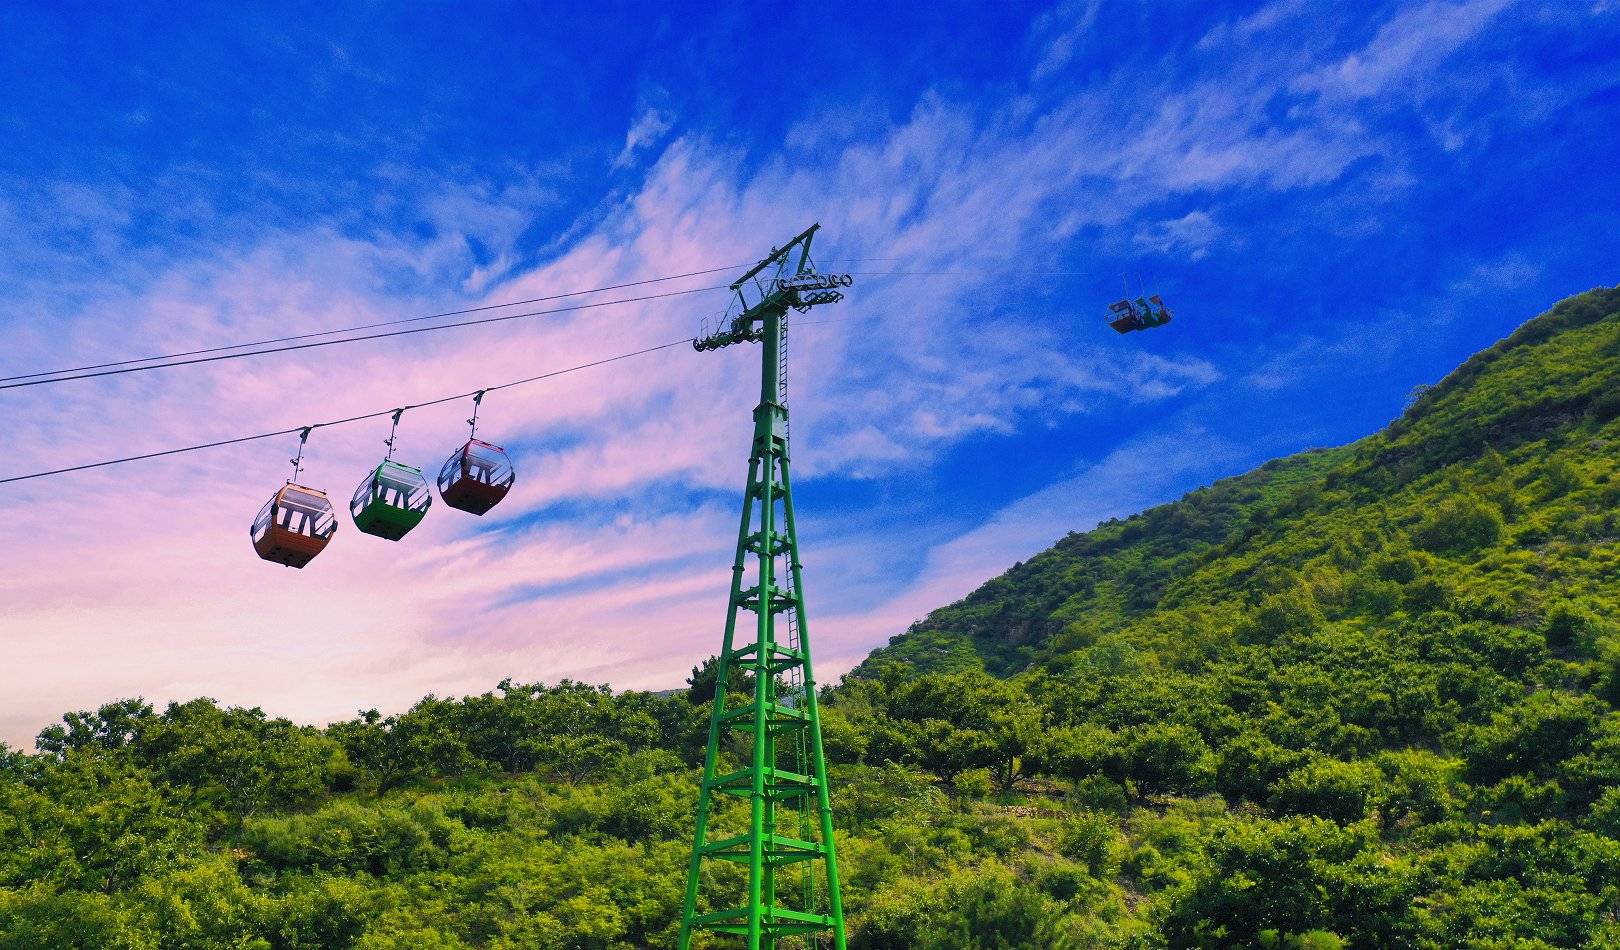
(305, 430)
(212, 354)
(368, 326)
(372, 336)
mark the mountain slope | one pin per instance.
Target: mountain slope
(1522, 428)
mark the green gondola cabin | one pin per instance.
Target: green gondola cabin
(391, 501)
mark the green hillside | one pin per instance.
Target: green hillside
(1520, 428)
(1360, 697)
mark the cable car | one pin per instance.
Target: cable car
(1143, 314)
(294, 525)
(390, 501)
(476, 477)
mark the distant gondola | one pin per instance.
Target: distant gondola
(1144, 314)
(294, 525)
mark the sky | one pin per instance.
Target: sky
(1339, 202)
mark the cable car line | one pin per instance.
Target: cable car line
(1035, 275)
(371, 326)
(338, 422)
(359, 339)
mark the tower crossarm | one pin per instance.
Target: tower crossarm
(785, 278)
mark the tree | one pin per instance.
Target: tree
(236, 761)
(1342, 791)
(422, 743)
(1532, 738)
(700, 685)
(967, 720)
(90, 822)
(1167, 757)
(1079, 752)
(1265, 880)
(1605, 816)
(112, 726)
(1293, 611)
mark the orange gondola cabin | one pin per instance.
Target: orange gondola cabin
(294, 525)
(476, 477)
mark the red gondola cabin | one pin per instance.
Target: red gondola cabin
(294, 526)
(476, 477)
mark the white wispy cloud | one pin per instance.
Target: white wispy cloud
(1413, 43)
(1192, 234)
(644, 133)
(1058, 34)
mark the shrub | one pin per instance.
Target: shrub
(1460, 524)
(1342, 791)
(1605, 816)
(1100, 793)
(1561, 477)
(1567, 625)
(1089, 839)
(1288, 612)
(974, 783)
(1167, 757)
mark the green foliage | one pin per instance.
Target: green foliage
(1167, 758)
(1460, 524)
(1342, 791)
(1092, 840)
(983, 907)
(1287, 612)
(1605, 816)
(973, 783)
(1265, 880)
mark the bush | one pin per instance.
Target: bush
(974, 783)
(1533, 737)
(985, 906)
(1605, 407)
(1459, 525)
(1605, 816)
(384, 838)
(1081, 752)
(1289, 877)
(1166, 757)
(1416, 787)
(1608, 667)
(1518, 799)
(1568, 626)
(1098, 793)
(1342, 791)
(1288, 612)
(1250, 765)
(1089, 839)
(1561, 477)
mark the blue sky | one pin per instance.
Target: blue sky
(1339, 201)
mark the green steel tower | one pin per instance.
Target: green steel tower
(788, 845)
